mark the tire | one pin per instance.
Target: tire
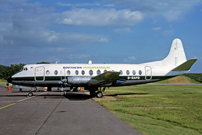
(30, 94)
(99, 94)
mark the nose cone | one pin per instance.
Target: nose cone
(9, 80)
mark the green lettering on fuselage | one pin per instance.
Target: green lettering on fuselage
(96, 67)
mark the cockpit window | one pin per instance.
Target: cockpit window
(24, 69)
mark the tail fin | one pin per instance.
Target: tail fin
(176, 55)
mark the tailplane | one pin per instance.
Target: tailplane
(185, 66)
(176, 55)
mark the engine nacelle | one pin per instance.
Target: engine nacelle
(78, 80)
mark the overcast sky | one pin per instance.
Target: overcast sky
(104, 31)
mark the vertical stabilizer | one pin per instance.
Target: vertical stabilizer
(176, 55)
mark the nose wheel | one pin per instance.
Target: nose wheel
(30, 94)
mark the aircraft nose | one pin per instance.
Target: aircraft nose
(9, 80)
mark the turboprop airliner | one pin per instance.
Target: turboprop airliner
(96, 77)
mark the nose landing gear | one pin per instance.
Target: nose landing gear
(30, 94)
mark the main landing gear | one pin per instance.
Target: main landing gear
(98, 94)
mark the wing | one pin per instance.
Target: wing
(105, 79)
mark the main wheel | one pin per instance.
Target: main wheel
(99, 94)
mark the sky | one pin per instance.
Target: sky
(104, 31)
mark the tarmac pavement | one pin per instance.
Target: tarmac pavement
(50, 113)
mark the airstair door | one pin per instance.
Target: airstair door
(148, 73)
(39, 73)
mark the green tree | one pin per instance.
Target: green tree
(7, 71)
(43, 62)
(4, 70)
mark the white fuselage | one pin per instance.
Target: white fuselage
(93, 76)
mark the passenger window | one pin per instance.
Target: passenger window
(105, 70)
(134, 72)
(68, 72)
(140, 72)
(55, 72)
(91, 72)
(47, 72)
(127, 72)
(121, 72)
(98, 72)
(82, 72)
(76, 72)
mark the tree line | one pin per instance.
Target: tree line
(195, 76)
(7, 71)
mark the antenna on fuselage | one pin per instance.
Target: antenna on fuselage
(56, 62)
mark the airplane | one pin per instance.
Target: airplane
(96, 77)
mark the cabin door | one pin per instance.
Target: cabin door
(148, 73)
(39, 74)
(63, 75)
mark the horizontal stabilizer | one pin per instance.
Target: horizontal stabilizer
(185, 66)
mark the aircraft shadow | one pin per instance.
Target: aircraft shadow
(77, 96)
(73, 96)
(70, 96)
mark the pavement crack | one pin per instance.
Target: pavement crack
(48, 117)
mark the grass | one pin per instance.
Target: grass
(153, 109)
(182, 79)
(3, 81)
